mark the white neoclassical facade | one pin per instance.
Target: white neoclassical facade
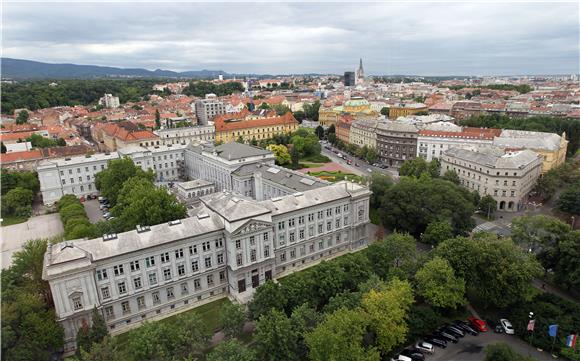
(185, 135)
(508, 176)
(228, 247)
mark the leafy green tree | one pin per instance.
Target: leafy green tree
(319, 132)
(567, 267)
(451, 176)
(487, 205)
(141, 202)
(501, 351)
(29, 327)
(280, 153)
(295, 157)
(18, 202)
(233, 319)
(22, 117)
(83, 339)
(569, 200)
(422, 320)
(387, 312)
(413, 167)
(380, 183)
(437, 232)
(303, 319)
(472, 260)
(437, 283)
(346, 300)
(414, 203)
(157, 119)
(385, 111)
(280, 109)
(275, 337)
(299, 115)
(397, 250)
(268, 296)
(98, 330)
(264, 106)
(311, 110)
(240, 140)
(340, 337)
(107, 350)
(539, 233)
(3, 148)
(110, 180)
(371, 155)
(231, 350)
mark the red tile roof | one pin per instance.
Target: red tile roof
(20, 156)
(222, 125)
(127, 131)
(467, 133)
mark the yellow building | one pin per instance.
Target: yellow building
(405, 110)
(230, 127)
(550, 146)
(357, 106)
(327, 116)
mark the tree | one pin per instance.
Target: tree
(340, 337)
(233, 319)
(141, 202)
(231, 350)
(371, 155)
(567, 267)
(83, 339)
(22, 117)
(29, 327)
(295, 157)
(385, 111)
(413, 167)
(299, 115)
(437, 283)
(280, 153)
(387, 313)
(157, 119)
(311, 110)
(487, 205)
(472, 260)
(268, 296)
(280, 109)
(319, 132)
(3, 147)
(451, 176)
(103, 351)
(240, 140)
(436, 232)
(98, 330)
(569, 200)
(275, 338)
(397, 250)
(110, 180)
(303, 319)
(501, 351)
(539, 233)
(18, 202)
(412, 204)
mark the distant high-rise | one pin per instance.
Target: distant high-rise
(360, 74)
(349, 78)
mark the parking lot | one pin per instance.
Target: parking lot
(93, 212)
(472, 348)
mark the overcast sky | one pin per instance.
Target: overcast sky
(438, 38)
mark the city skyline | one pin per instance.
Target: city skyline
(430, 39)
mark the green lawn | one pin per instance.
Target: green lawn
(319, 158)
(7, 221)
(336, 176)
(311, 165)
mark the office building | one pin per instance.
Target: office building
(207, 109)
(349, 78)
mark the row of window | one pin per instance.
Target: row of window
(70, 171)
(319, 215)
(302, 232)
(311, 248)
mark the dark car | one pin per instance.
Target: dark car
(436, 341)
(414, 355)
(466, 327)
(454, 330)
(446, 336)
(495, 326)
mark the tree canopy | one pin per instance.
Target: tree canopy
(437, 283)
(110, 180)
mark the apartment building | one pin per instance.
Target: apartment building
(364, 132)
(508, 176)
(207, 109)
(229, 247)
(185, 135)
(253, 126)
(396, 142)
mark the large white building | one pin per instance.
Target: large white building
(229, 247)
(508, 176)
(206, 109)
(76, 175)
(185, 135)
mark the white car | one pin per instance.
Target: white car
(402, 358)
(507, 326)
(424, 347)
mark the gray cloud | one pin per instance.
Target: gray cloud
(393, 38)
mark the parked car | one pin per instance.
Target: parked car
(102, 199)
(446, 336)
(349, 162)
(436, 341)
(496, 327)
(401, 358)
(414, 355)
(425, 347)
(477, 323)
(466, 327)
(356, 164)
(106, 215)
(507, 326)
(369, 170)
(102, 207)
(454, 330)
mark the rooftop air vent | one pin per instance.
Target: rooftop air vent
(298, 194)
(141, 229)
(202, 216)
(173, 223)
(276, 199)
(109, 236)
(67, 158)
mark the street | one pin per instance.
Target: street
(363, 165)
(94, 213)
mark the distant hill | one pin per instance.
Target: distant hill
(27, 69)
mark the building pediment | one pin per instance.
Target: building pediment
(252, 226)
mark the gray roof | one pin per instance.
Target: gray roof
(59, 257)
(510, 138)
(194, 184)
(288, 178)
(233, 207)
(235, 150)
(397, 126)
(494, 157)
(314, 197)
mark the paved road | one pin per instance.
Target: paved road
(15, 236)
(93, 212)
(472, 348)
(363, 165)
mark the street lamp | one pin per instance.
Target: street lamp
(531, 327)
